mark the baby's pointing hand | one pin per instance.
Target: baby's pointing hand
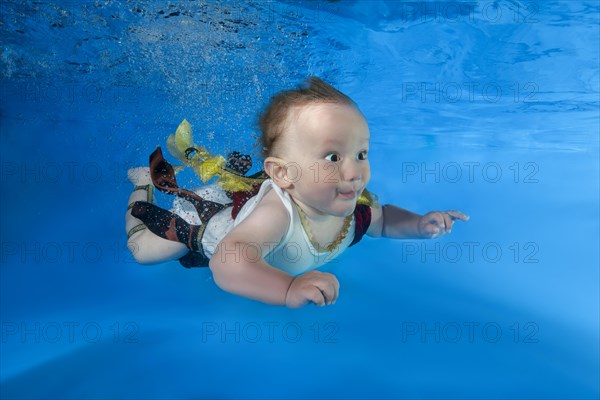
(437, 223)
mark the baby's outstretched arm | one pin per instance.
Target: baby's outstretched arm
(398, 223)
(238, 264)
(146, 247)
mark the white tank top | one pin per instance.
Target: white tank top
(294, 254)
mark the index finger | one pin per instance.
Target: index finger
(457, 215)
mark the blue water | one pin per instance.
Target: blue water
(489, 107)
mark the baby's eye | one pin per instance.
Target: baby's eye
(332, 157)
(362, 155)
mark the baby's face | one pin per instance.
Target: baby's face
(326, 147)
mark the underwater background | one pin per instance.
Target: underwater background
(488, 107)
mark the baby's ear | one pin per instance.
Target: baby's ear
(277, 170)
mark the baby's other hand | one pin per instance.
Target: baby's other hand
(139, 176)
(437, 223)
(320, 288)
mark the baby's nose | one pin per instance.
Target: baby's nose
(351, 172)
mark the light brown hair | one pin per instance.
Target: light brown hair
(272, 120)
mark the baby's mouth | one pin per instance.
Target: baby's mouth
(348, 195)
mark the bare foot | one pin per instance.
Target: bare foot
(139, 176)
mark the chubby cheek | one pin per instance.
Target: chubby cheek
(366, 174)
(325, 174)
(314, 180)
(326, 187)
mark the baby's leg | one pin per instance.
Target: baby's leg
(146, 247)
